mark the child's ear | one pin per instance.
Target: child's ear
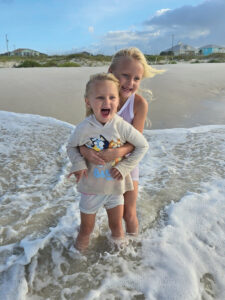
(87, 102)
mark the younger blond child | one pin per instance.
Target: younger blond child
(103, 185)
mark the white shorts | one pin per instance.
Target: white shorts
(89, 204)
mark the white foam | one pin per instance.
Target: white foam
(183, 258)
(188, 247)
(13, 284)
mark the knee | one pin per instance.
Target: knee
(130, 216)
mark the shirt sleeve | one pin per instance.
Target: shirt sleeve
(134, 137)
(77, 160)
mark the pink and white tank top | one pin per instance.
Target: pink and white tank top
(127, 110)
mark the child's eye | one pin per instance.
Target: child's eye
(125, 75)
(136, 78)
(112, 97)
(100, 97)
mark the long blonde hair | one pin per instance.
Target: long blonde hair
(93, 79)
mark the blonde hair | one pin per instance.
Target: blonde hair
(93, 79)
(136, 54)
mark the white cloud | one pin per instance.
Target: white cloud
(91, 29)
(162, 11)
(115, 40)
(196, 34)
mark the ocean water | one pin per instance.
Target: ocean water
(179, 253)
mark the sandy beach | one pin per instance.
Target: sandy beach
(185, 95)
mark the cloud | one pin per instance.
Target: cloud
(115, 40)
(91, 29)
(194, 25)
(128, 37)
(203, 23)
(162, 11)
(207, 13)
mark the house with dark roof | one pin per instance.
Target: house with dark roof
(25, 52)
(210, 49)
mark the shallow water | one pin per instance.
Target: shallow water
(179, 253)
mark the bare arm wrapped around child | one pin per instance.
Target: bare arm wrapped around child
(106, 155)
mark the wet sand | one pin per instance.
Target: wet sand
(185, 95)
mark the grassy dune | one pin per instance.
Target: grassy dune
(87, 59)
(72, 60)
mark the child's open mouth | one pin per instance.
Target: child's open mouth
(105, 112)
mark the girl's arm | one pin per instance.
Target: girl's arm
(100, 158)
(140, 113)
(136, 138)
(78, 162)
(91, 155)
(113, 153)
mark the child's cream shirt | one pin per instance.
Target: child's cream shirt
(113, 134)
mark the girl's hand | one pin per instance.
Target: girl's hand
(109, 154)
(113, 153)
(91, 155)
(79, 174)
(116, 174)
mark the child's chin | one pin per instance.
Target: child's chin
(105, 119)
(126, 93)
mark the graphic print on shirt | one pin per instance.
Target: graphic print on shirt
(98, 173)
(116, 144)
(99, 144)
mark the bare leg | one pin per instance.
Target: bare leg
(86, 228)
(130, 214)
(115, 216)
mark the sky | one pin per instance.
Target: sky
(101, 26)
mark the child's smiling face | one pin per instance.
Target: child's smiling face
(103, 98)
(129, 72)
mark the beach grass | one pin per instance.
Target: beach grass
(90, 60)
(69, 64)
(28, 64)
(70, 60)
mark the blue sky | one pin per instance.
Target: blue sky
(100, 26)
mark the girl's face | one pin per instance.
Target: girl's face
(129, 72)
(103, 98)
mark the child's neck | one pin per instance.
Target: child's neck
(122, 101)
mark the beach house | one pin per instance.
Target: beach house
(24, 52)
(181, 49)
(210, 49)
